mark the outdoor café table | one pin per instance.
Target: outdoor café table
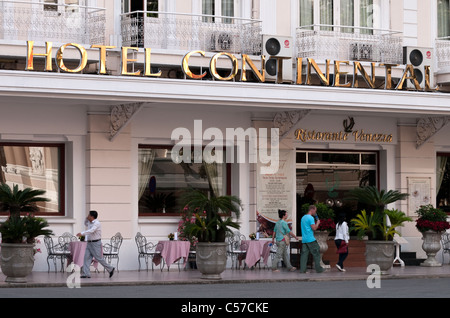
(255, 250)
(77, 250)
(171, 251)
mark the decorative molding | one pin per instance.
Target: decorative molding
(428, 127)
(284, 121)
(121, 116)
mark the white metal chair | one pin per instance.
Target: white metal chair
(445, 240)
(55, 252)
(111, 249)
(235, 249)
(147, 250)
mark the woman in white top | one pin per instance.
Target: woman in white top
(341, 236)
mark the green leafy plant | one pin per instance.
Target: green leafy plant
(375, 225)
(212, 215)
(17, 229)
(374, 198)
(23, 229)
(16, 201)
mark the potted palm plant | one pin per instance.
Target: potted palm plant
(19, 232)
(379, 225)
(213, 219)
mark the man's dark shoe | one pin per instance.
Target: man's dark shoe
(84, 276)
(111, 272)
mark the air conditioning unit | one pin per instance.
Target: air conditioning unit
(224, 42)
(278, 46)
(419, 57)
(361, 52)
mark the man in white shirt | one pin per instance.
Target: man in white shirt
(93, 236)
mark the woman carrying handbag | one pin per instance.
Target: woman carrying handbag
(341, 241)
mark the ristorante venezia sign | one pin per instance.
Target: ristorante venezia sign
(246, 64)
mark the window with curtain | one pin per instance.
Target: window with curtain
(227, 10)
(162, 182)
(342, 13)
(217, 8)
(326, 14)
(443, 18)
(37, 166)
(347, 17)
(208, 8)
(443, 181)
(307, 13)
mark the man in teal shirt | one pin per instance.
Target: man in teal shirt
(281, 229)
(309, 242)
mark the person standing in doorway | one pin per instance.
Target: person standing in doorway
(281, 230)
(93, 236)
(310, 222)
(341, 237)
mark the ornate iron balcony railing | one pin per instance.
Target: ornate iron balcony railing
(349, 44)
(442, 53)
(38, 21)
(178, 31)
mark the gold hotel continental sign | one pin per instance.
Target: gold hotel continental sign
(311, 65)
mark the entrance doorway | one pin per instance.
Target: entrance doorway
(327, 177)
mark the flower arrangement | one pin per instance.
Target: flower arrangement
(326, 225)
(171, 236)
(186, 219)
(252, 236)
(37, 249)
(431, 218)
(325, 214)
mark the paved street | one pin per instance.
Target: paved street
(389, 288)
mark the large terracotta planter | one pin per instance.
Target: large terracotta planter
(381, 253)
(211, 259)
(17, 261)
(322, 237)
(431, 245)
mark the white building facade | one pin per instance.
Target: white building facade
(94, 95)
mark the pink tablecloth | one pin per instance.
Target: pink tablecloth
(171, 251)
(77, 250)
(255, 250)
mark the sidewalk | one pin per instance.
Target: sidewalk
(174, 276)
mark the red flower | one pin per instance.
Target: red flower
(326, 225)
(426, 225)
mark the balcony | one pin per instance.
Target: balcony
(185, 32)
(36, 21)
(322, 42)
(443, 53)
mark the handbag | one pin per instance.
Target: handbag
(287, 239)
(343, 248)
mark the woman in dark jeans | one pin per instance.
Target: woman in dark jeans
(341, 236)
